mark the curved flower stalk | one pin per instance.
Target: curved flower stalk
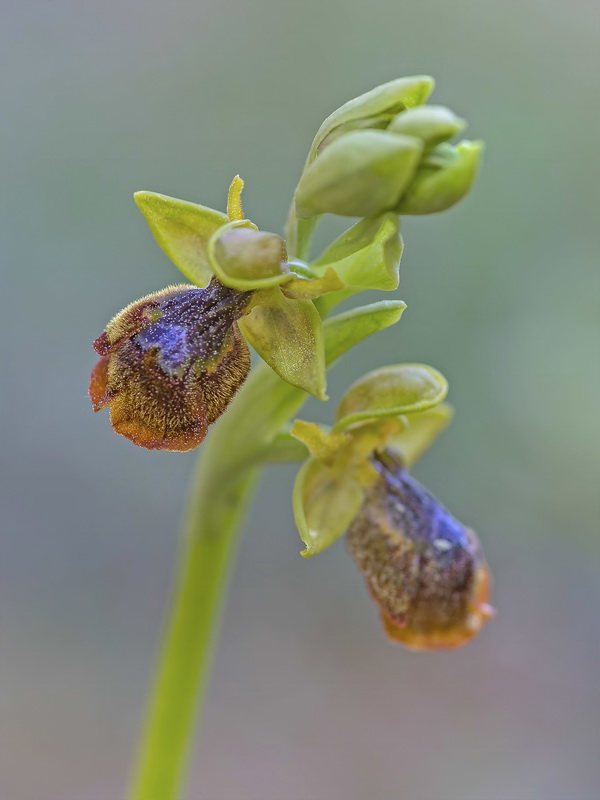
(177, 361)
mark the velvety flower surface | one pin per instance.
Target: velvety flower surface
(170, 364)
(424, 569)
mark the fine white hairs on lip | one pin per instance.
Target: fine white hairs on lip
(442, 544)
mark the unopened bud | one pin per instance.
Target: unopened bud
(361, 174)
(372, 109)
(432, 124)
(444, 177)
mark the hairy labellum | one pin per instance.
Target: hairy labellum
(424, 569)
(170, 364)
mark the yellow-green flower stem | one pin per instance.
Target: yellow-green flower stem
(221, 490)
(299, 234)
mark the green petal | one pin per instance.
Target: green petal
(421, 431)
(325, 503)
(288, 335)
(361, 174)
(444, 178)
(391, 392)
(182, 230)
(387, 99)
(367, 255)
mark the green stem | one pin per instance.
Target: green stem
(299, 233)
(220, 494)
(210, 539)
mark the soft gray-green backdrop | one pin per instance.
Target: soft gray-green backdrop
(309, 701)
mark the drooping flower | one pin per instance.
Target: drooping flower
(423, 568)
(171, 363)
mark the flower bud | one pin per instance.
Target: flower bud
(361, 174)
(244, 254)
(443, 178)
(423, 568)
(373, 109)
(170, 364)
(432, 124)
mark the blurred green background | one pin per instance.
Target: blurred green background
(309, 700)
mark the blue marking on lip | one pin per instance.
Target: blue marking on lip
(172, 343)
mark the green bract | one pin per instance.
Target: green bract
(367, 255)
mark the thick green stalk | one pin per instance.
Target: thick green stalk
(220, 493)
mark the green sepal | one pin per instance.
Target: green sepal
(391, 392)
(325, 502)
(234, 268)
(182, 230)
(420, 432)
(367, 255)
(373, 107)
(345, 330)
(432, 124)
(444, 177)
(288, 335)
(361, 174)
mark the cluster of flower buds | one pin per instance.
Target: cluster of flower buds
(387, 151)
(423, 568)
